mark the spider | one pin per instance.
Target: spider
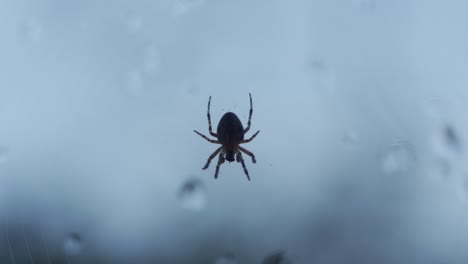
(230, 134)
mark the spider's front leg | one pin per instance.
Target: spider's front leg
(210, 129)
(250, 115)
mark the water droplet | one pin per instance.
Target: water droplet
(136, 23)
(226, 259)
(462, 187)
(152, 61)
(350, 139)
(193, 89)
(434, 107)
(398, 159)
(3, 154)
(134, 83)
(450, 138)
(32, 30)
(322, 76)
(83, 25)
(440, 169)
(72, 244)
(446, 141)
(192, 195)
(278, 257)
(182, 7)
(368, 5)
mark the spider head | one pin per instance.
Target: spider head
(230, 155)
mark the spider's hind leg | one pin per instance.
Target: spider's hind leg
(241, 160)
(220, 161)
(248, 153)
(212, 157)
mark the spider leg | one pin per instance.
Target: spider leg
(250, 154)
(205, 137)
(220, 161)
(209, 120)
(212, 157)
(250, 115)
(250, 139)
(239, 158)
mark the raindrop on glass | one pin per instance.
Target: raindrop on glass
(32, 30)
(398, 158)
(349, 140)
(192, 195)
(193, 89)
(226, 259)
(440, 168)
(83, 25)
(135, 24)
(322, 76)
(3, 154)
(368, 5)
(134, 83)
(182, 7)
(72, 244)
(152, 61)
(278, 257)
(434, 107)
(450, 138)
(462, 187)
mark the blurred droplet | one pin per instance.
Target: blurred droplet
(182, 7)
(368, 5)
(3, 154)
(134, 83)
(434, 107)
(322, 76)
(316, 64)
(349, 139)
(83, 25)
(446, 142)
(440, 169)
(398, 159)
(193, 89)
(152, 61)
(135, 24)
(192, 195)
(462, 187)
(278, 257)
(226, 259)
(450, 138)
(32, 30)
(72, 244)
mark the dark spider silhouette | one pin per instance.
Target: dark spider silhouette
(230, 134)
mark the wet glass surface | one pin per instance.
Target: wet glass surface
(361, 156)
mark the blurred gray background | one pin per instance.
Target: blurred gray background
(361, 156)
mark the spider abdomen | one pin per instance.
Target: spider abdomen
(230, 129)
